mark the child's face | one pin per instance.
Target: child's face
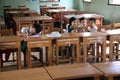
(32, 30)
(84, 22)
(91, 23)
(75, 23)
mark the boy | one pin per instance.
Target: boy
(91, 25)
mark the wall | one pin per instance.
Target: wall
(33, 4)
(110, 13)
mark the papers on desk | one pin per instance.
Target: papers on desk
(36, 35)
(54, 34)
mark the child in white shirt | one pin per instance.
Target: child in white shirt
(91, 25)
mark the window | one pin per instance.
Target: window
(49, 0)
(87, 0)
(114, 2)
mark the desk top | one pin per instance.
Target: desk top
(109, 68)
(33, 18)
(73, 71)
(28, 74)
(94, 34)
(17, 12)
(113, 31)
(9, 39)
(41, 38)
(53, 7)
(61, 10)
(17, 8)
(70, 35)
(83, 15)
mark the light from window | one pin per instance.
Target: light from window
(114, 2)
(87, 0)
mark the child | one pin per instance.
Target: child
(35, 29)
(83, 22)
(72, 24)
(91, 25)
(92, 28)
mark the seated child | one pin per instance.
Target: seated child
(91, 25)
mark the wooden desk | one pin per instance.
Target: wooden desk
(15, 9)
(99, 18)
(12, 42)
(109, 69)
(68, 39)
(44, 9)
(60, 10)
(21, 13)
(39, 42)
(73, 71)
(59, 13)
(32, 19)
(114, 35)
(28, 74)
(92, 38)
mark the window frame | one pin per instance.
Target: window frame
(88, 1)
(49, 0)
(114, 4)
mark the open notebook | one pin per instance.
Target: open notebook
(54, 34)
(25, 30)
(35, 35)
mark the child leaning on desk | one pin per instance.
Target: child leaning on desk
(34, 29)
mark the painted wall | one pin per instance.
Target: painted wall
(33, 4)
(110, 13)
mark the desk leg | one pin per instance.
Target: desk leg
(110, 78)
(19, 58)
(97, 51)
(28, 58)
(96, 78)
(104, 51)
(78, 53)
(85, 52)
(111, 48)
(57, 56)
(73, 53)
(50, 54)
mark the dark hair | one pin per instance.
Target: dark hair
(71, 20)
(81, 19)
(92, 19)
(37, 27)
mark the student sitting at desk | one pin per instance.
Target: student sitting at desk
(92, 28)
(91, 25)
(35, 29)
(82, 25)
(82, 22)
(72, 25)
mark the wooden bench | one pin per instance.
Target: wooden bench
(73, 71)
(109, 69)
(28, 74)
